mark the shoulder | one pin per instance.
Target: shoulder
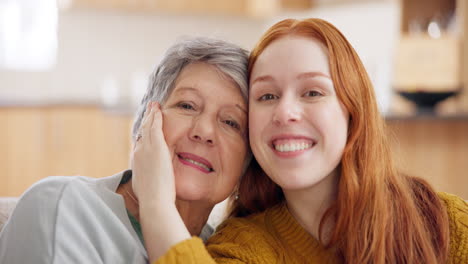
(242, 229)
(42, 199)
(31, 225)
(46, 191)
(457, 208)
(51, 188)
(457, 211)
(245, 238)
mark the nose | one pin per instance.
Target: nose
(287, 111)
(203, 130)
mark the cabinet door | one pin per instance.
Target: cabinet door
(110, 144)
(62, 140)
(68, 132)
(87, 141)
(23, 148)
(434, 150)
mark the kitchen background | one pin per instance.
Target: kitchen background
(73, 71)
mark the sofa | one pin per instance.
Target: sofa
(7, 204)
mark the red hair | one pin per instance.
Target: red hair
(380, 215)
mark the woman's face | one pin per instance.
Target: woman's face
(205, 122)
(298, 127)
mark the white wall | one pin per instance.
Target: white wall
(105, 50)
(96, 46)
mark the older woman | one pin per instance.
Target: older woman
(202, 86)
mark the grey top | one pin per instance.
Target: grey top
(71, 220)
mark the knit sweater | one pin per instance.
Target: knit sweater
(274, 236)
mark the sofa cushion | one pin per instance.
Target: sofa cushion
(7, 204)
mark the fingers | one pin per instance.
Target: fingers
(146, 124)
(151, 126)
(156, 127)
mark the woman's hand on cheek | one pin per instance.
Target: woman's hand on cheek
(153, 183)
(153, 180)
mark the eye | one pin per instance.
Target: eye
(312, 94)
(232, 124)
(268, 97)
(186, 106)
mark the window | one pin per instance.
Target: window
(28, 34)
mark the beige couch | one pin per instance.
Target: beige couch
(6, 207)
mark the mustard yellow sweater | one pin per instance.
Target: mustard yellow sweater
(274, 236)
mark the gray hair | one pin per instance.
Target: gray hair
(230, 59)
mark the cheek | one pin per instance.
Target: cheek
(258, 120)
(329, 118)
(335, 126)
(234, 154)
(173, 129)
(342, 120)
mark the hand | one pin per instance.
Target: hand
(153, 174)
(153, 183)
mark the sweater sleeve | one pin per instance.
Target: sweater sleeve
(236, 241)
(457, 210)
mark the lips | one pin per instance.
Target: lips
(195, 161)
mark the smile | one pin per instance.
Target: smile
(195, 162)
(289, 147)
(292, 146)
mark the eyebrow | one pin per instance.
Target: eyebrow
(188, 88)
(240, 107)
(185, 88)
(264, 78)
(306, 75)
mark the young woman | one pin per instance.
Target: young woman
(328, 190)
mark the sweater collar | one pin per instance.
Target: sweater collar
(296, 238)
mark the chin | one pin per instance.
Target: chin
(190, 192)
(298, 180)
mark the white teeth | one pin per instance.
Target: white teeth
(293, 147)
(198, 164)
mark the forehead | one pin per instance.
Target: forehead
(208, 81)
(294, 54)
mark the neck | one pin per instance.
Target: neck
(309, 205)
(194, 214)
(129, 196)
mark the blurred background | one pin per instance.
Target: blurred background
(72, 73)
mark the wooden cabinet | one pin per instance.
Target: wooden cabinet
(433, 149)
(23, 148)
(61, 140)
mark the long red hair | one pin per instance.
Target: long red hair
(380, 215)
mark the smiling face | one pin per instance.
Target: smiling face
(298, 127)
(204, 123)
